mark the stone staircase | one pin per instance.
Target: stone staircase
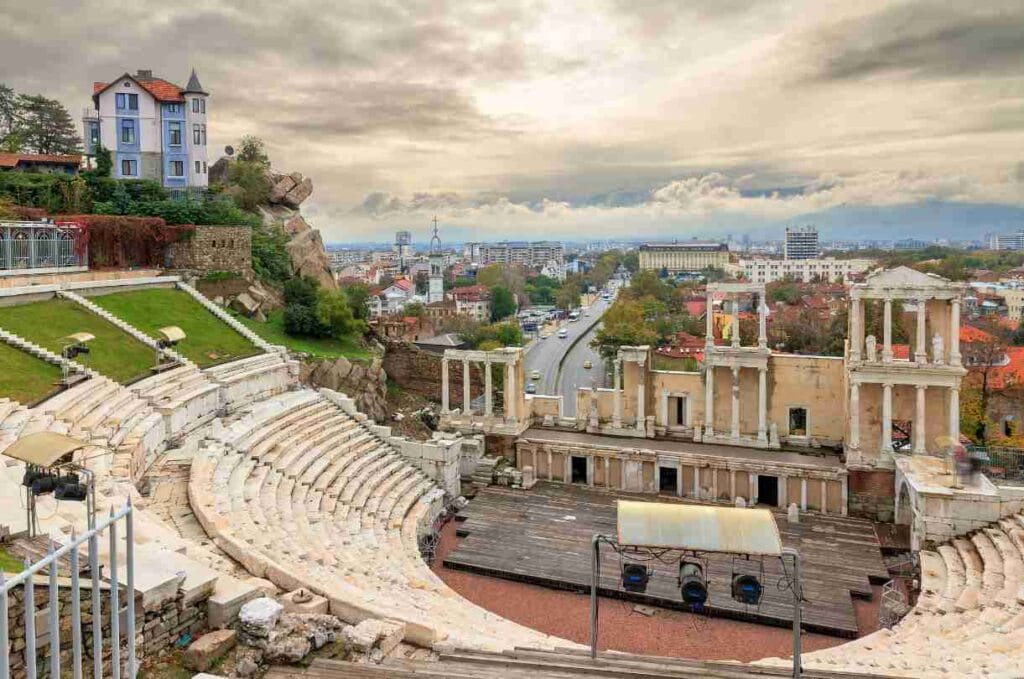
(43, 353)
(300, 492)
(230, 320)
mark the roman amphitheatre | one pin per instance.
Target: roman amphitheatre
(251, 487)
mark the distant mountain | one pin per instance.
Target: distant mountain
(927, 221)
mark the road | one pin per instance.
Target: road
(545, 357)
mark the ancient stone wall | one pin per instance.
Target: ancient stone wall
(872, 494)
(364, 384)
(156, 631)
(215, 248)
(419, 372)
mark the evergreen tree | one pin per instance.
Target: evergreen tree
(46, 126)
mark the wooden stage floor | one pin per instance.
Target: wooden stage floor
(543, 536)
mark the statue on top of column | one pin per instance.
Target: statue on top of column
(870, 348)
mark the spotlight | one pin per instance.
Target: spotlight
(635, 577)
(746, 589)
(73, 492)
(31, 474)
(44, 485)
(692, 584)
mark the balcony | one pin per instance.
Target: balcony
(89, 114)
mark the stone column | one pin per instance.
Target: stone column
(510, 389)
(887, 332)
(783, 492)
(954, 414)
(608, 472)
(762, 322)
(803, 494)
(887, 418)
(551, 469)
(714, 483)
(856, 327)
(845, 500)
(467, 406)
(921, 351)
(444, 385)
(709, 399)
(854, 416)
(679, 478)
(752, 488)
(617, 395)
(641, 398)
(732, 485)
(762, 405)
(709, 334)
(918, 427)
(488, 386)
(734, 431)
(824, 496)
(954, 332)
(696, 482)
(735, 339)
(663, 408)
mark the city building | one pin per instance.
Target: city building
(676, 258)
(153, 128)
(1007, 241)
(473, 301)
(403, 247)
(392, 299)
(802, 242)
(763, 270)
(41, 163)
(530, 255)
(910, 244)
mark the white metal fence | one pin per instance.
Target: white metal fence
(38, 245)
(26, 580)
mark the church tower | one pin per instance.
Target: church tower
(435, 293)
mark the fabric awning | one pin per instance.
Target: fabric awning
(700, 528)
(44, 448)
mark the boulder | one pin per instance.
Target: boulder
(308, 258)
(298, 193)
(280, 188)
(258, 617)
(245, 304)
(208, 648)
(297, 635)
(219, 171)
(371, 634)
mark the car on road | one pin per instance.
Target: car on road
(531, 388)
(544, 335)
(563, 333)
(535, 375)
(587, 364)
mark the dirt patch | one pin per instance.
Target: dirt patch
(406, 404)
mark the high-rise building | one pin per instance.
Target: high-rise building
(1007, 241)
(802, 242)
(403, 247)
(530, 255)
(435, 288)
(153, 128)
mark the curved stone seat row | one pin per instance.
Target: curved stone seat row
(968, 620)
(307, 496)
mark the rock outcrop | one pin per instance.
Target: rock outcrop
(365, 384)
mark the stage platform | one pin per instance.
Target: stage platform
(543, 536)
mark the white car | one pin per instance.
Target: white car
(563, 333)
(544, 335)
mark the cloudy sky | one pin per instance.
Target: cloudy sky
(575, 119)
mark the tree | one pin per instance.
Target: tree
(335, 315)
(503, 304)
(357, 294)
(251, 149)
(414, 309)
(623, 325)
(250, 182)
(46, 126)
(1017, 339)
(104, 161)
(985, 352)
(568, 294)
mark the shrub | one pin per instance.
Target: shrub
(122, 241)
(270, 258)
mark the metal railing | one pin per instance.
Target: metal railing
(26, 579)
(37, 245)
(999, 463)
(196, 193)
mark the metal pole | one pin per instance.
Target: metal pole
(797, 597)
(30, 624)
(76, 614)
(594, 580)
(54, 616)
(115, 607)
(97, 622)
(129, 536)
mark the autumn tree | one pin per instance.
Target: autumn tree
(982, 355)
(624, 324)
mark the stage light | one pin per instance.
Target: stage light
(635, 577)
(692, 584)
(44, 484)
(31, 474)
(72, 492)
(746, 589)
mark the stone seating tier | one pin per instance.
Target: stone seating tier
(968, 620)
(306, 495)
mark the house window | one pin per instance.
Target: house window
(798, 421)
(196, 138)
(195, 105)
(197, 167)
(177, 168)
(202, 106)
(174, 108)
(127, 101)
(203, 130)
(204, 167)
(174, 134)
(129, 168)
(127, 131)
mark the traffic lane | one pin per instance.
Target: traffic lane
(547, 354)
(574, 376)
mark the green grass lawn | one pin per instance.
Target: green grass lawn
(273, 332)
(209, 340)
(25, 378)
(113, 353)
(10, 563)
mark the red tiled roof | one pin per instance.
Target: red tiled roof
(161, 89)
(404, 283)
(696, 307)
(12, 159)
(968, 333)
(1012, 373)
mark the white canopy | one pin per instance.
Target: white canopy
(700, 528)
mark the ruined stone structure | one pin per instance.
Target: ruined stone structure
(215, 248)
(513, 419)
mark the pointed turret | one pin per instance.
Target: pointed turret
(194, 86)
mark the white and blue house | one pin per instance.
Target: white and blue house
(153, 128)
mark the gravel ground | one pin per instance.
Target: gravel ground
(666, 633)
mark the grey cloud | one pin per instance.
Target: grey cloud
(926, 40)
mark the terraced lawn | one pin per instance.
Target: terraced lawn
(25, 378)
(209, 340)
(113, 353)
(273, 332)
